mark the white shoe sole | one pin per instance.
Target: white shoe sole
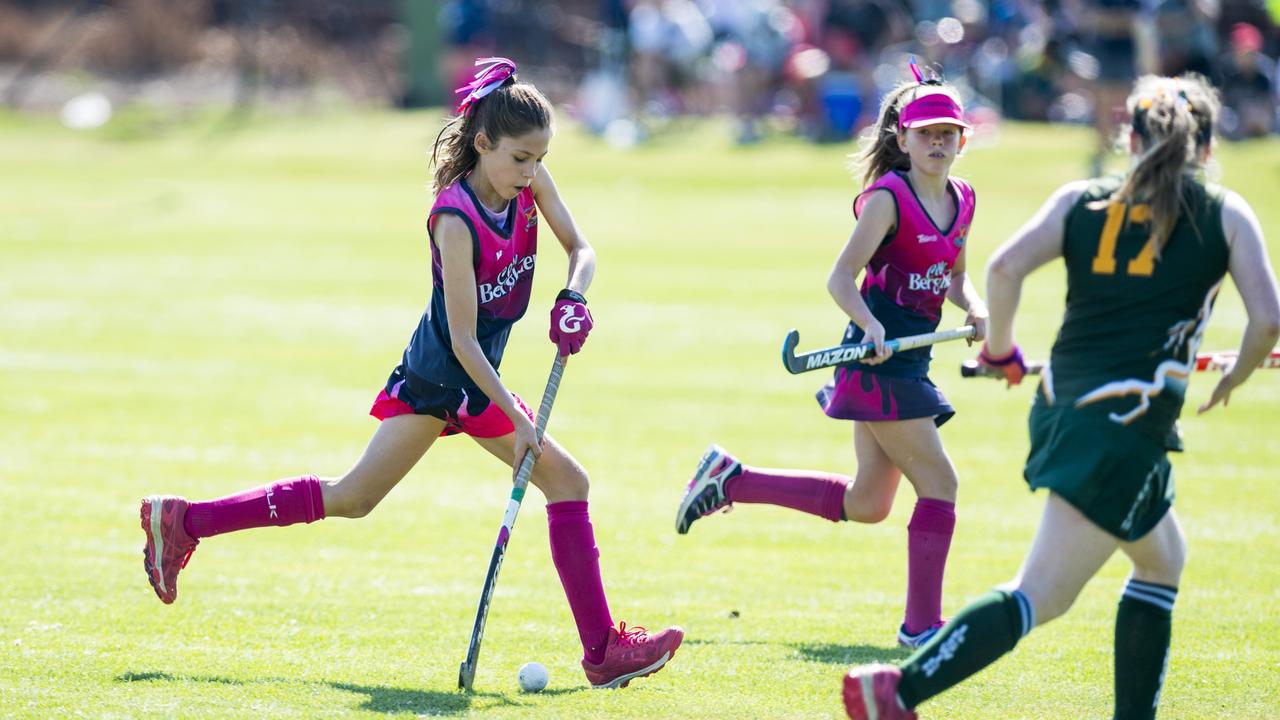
(616, 682)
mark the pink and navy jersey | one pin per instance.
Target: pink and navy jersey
(503, 253)
(906, 280)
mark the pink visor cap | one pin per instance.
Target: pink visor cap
(933, 109)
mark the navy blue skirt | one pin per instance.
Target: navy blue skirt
(855, 394)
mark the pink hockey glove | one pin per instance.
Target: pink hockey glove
(570, 322)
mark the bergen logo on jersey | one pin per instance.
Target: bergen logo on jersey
(531, 217)
(935, 280)
(507, 278)
(570, 323)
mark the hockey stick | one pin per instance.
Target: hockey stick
(1204, 362)
(467, 672)
(845, 354)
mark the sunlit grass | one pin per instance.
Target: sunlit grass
(207, 311)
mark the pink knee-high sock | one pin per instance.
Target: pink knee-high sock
(816, 493)
(577, 560)
(928, 541)
(281, 503)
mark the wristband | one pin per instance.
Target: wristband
(574, 295)
(1014, 356)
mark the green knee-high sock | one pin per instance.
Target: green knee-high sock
(982, 632)
(1144, 624)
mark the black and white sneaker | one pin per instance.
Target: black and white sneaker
(705, 492)
(913, 642)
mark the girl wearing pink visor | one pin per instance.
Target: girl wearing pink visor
(908, 247)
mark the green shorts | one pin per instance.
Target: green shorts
(1118, 477)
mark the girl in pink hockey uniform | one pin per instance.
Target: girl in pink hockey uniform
(490, 187)
(908, 245)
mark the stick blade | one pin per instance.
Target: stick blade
(789, 360)
(466, 676)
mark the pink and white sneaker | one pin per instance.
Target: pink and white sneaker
(168, 547)
(871, 693)
(632, 653)
(705, 492)
(907, 640)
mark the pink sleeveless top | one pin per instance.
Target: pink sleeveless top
(503, 255)
(906, 280)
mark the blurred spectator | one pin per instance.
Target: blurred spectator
(1246, 78)
(753, 38)
(854, 35)
(1187, 41)
(1108, 60)
(815, 65)
(1036, 88)
(668, 39)
(467, 27)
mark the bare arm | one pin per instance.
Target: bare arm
(965, 296)
(879, 214)
(1034, 244)
(582, 258)
(1251, 272)
(453, 238)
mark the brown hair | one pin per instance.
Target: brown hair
(879, 152)
(1173, 119)
(511, 110)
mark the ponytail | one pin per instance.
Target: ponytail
(497, 105)
(1173, 120)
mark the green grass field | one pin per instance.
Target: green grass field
(198, 313)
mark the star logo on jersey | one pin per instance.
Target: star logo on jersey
(531, 217)
(962, 236)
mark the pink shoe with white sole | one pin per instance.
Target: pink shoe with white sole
(871, 693)
(168, 547)
(632, 653)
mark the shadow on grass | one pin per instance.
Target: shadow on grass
(833, 654)
(705, 641)
(379, 698)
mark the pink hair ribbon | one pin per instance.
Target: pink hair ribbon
(915, 70)
(487, 79)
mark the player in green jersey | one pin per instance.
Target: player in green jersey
(1145, 257)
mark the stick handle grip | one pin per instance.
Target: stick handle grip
(540, 424)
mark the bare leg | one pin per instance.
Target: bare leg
(1159, 556)
(915, 447)
(870, 496)
(396, 446)
(1068, 550)
(557, 474)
